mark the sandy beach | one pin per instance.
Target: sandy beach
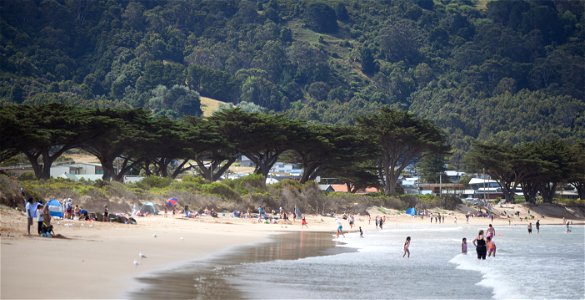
(96, 259)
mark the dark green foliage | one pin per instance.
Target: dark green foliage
(400, 139)
(260, 137)
(341, 12)
(210, 83)
(368, 64)
(477, 73)
(321, 18)
(154, 182)
(431, 167)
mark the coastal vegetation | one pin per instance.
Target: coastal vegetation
(373, 153)
(504, 71)
(355, 90)
(131, 141)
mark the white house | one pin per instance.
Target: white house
(58, 170)
(289, 168)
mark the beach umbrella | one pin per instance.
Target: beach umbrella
(172, 201)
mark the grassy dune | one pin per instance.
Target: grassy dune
(209, 105)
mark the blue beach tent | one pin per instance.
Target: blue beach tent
(411, 211)
(55, 208)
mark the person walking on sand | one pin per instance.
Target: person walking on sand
(537, 226)
(530, 228)
(406, 245)
(491, 247)
(464, 246)
(480, 246)
(361, 232)
(304, 223)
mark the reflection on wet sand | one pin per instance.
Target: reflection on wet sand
(207, 279)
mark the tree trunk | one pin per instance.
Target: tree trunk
(146, 168)
(38, 169)
(529, 190)
(180, 169)
(309, 171)
(46, 168)
(548, 191)
(108, 167)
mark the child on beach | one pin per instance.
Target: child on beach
(339, 228)
(361, 232)
(406, 244)
(491, 247)
(304, 223)
(464, 246)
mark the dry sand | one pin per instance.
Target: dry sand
(95, 259)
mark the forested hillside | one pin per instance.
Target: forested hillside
(505, 70)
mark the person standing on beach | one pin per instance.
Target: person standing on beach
(491, 232)
(39, 215)
(406, 245)
(381, 223)
(106, 213)
(377, 222)
(304, 223)
(29, 213)
(361, 232)
(537, 226)
(530, 228)
(339, 228)
(480, 246)
(464, 246)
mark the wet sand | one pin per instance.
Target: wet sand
(209, 279)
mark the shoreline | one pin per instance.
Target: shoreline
(197, 276)
(95, 260)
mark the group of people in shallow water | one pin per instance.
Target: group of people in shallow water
(484, 245)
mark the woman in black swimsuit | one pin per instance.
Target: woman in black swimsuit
(480, 246)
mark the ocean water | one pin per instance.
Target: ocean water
(547, 265)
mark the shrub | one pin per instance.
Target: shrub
(248, 184)
(220, 189)
(154, 182)
(27, 176)
(10, 192)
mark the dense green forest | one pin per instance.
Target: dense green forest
(507, 71)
